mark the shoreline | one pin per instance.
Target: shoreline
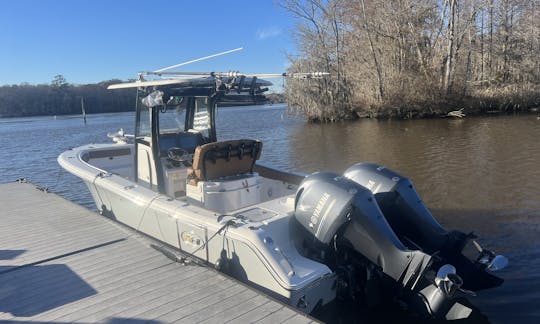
(401, 115)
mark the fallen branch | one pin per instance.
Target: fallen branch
(456, 113)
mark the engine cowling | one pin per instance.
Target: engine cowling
(357, 224)
(328, 206)
(401, 204)
(416, 227)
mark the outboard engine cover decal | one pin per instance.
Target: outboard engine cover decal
(323, 204)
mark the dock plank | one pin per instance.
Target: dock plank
(154, 301)
(192, 297)
(255, 314)
(230, 302)
(201, 305)
(60, 262)
(229, 313)
(279, 316)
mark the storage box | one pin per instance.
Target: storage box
(175, 181)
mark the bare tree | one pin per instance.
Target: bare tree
(411, 58)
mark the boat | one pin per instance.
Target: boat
(309, 240)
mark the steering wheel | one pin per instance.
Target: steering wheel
(178, 154)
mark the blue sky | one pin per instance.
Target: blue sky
(93, 40)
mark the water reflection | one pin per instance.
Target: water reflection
(454, 163)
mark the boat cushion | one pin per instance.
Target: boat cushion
(227, 158)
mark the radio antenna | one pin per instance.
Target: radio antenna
(197, 60)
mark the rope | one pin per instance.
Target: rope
(60, 173)
(227, 224)
(99, 195)
(189, 257)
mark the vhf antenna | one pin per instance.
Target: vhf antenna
(196, 60)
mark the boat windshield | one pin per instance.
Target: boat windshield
(172, 120)
(142, 128)
(201, 118)
(184, 122)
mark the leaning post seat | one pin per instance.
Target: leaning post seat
(222, 159)
(222, 177)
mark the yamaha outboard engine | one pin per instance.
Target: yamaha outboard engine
(339, 218)
(327, 201)
(417, 228)
(402, 206)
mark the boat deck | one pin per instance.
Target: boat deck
(60, 262)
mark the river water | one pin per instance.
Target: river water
(475, 174)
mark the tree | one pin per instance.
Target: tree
(414, 57)
(59, 82)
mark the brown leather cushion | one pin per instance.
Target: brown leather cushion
(221, 159)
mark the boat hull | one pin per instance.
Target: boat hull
(253, 244)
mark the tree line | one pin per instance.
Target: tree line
(62, 98)
(414, 58)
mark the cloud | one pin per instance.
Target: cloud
(268, 32)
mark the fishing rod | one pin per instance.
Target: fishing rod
(175, 77)
(181, 77)
(235, 74)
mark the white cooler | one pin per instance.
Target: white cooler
(226, 194)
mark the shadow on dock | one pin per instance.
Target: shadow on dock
(36, 289)
(10, 254)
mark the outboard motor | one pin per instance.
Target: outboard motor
(326, 202)
(417, 228)
(336, 214)
(402, 206)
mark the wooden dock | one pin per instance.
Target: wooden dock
(60, 262)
